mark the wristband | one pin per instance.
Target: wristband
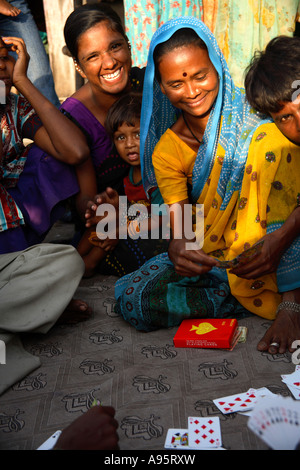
(293, 306)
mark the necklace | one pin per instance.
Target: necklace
(195, 137)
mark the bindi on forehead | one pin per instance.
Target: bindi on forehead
(184, 74)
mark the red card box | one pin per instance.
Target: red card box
(206, 333)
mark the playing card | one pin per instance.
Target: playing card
(293, 379)
(295, 392)
(276, 420)
(241, 401)
(177, 439)
(50, 442)
(234, 403)
(204, 433)
(243, 257)
(293, 382)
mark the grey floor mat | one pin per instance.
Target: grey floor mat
(152, 385)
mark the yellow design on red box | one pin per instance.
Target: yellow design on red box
(203, 328)
(206, 333)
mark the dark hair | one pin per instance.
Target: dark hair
(182, 37)
(84, 18)
(271, 73)
(126, 109)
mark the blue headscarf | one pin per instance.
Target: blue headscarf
(239, 121)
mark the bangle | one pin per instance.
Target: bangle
(293, 306)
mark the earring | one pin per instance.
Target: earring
(77, 67)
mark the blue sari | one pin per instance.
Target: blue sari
(156, 296)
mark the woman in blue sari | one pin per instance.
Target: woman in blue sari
(197, 130)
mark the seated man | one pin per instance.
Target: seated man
(36, 290)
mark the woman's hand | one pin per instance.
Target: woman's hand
(21, 65)
(189, 262)
(266, 262)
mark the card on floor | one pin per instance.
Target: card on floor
(292, 381)
(204, 433)
(177, 439)
(240, 402)
(50, 442)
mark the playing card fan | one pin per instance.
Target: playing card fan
(276, 420)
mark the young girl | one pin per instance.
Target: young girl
(30, 115)
(121, 256)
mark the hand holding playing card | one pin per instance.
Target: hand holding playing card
(265, 261)
(243, 258)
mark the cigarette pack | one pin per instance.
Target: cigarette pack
(206, 333)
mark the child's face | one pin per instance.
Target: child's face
(288, 120)
(127, 142)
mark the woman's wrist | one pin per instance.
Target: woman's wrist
(290, 229)
(288, 305)
(290, 301)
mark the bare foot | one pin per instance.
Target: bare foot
(76, 311)
(281, 335)
(8, 10)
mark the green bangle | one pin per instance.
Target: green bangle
(293, 306)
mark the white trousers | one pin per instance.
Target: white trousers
(36, 285)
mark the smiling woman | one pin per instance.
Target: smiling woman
(245, 173)
(189, 80)
(104, 59)
(97, 42)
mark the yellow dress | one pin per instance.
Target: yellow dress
(270, 192)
